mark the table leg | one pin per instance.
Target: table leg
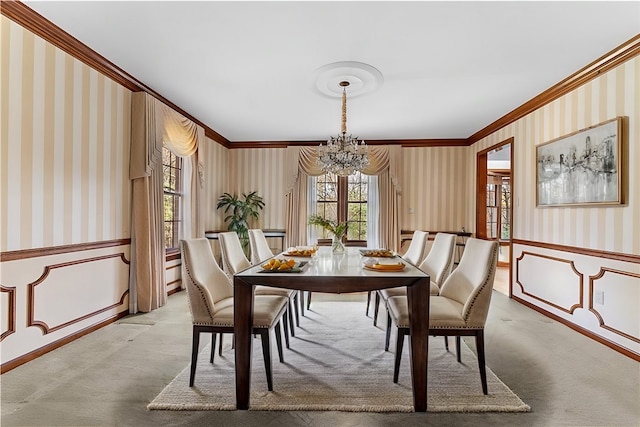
(418, 300)
(243, 321)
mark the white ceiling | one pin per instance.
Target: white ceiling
(246, 69)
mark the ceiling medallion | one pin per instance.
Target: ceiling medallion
(363, 79)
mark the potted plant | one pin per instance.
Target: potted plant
(337, 230)
(240, 210)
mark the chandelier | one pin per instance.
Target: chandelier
(343, 155)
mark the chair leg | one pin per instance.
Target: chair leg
(399, 344)
(368, 303)
(376, 306)
(481, 362)
(194, 355)
(285, 323)
(213, 347)
(309, 301)
(386, 343)
(301, 303)
(446, 343)
(295, 305)
(220, 347)
(279, 342)
(289, 320)
(266, 354)
(458, 354)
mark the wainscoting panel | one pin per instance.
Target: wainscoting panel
(598, 295)
(8, 310)
(612, 294)
(173, 275)
(60, 295)
(550, 280)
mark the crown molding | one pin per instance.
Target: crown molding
(453, 142)
(47, 30)
(617, 56)
(39, 25)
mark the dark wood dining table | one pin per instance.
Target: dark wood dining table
(334, 273)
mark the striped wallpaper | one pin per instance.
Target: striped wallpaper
(262, 170)
(217, 180)
(433, 184)
(615, 93)
(434, 187)
(68, 127)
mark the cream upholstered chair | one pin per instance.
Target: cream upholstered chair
(437, 265)
(211, 303)
(462, 306)
(260, 251)
(234, 260)
(417, 247)
(414, 255)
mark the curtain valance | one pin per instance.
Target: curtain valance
(180, 135)
(381, 158)
(154, 123)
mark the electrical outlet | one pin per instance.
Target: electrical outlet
(598, 297)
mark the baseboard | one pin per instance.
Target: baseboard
(625, 351)
(6, 367)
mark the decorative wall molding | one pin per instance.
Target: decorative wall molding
(571, 309)
(633, 258)
(10, 311)
(174, 266)
(64, 249)
(31, 294)
(592, 280)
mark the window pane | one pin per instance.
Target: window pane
(171, 170)
(344, 196)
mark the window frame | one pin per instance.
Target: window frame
(342, 208)
(176, 192)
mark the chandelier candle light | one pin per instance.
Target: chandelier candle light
(343, 155)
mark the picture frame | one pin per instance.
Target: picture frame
(582, 168)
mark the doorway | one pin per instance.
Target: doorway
(494, 208)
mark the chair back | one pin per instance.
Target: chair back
(205, 282)
(471, 283)
(233, 257)
(417, 247)
(260, 249)
(439, 260)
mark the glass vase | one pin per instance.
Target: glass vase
(337, 247)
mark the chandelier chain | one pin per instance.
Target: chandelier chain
(343, 155)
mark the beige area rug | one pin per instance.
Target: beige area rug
(337, 362)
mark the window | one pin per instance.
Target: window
(172, 187)
(344, 199)
(498, 207)
(505, 220)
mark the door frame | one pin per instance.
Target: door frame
(481, 197)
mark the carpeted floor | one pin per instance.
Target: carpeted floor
(337, 362)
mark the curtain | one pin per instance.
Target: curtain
(384, 161)
(152, 124)
(147, 269)
(373, 212)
